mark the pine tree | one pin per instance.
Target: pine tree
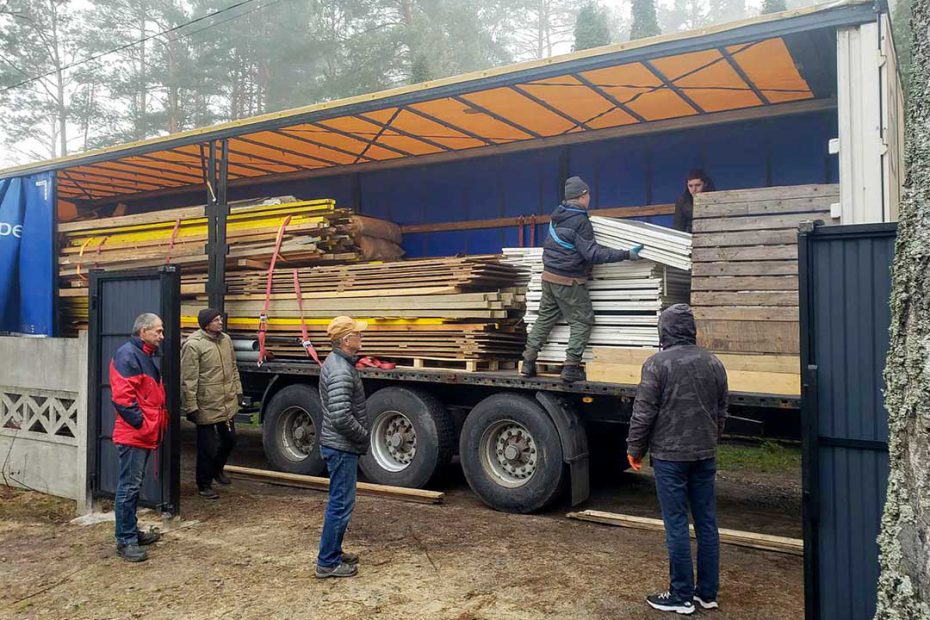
(774, 6)
(904, 584)
(645, 22)
(591, 27)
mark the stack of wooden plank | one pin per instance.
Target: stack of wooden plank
(316, 232)
(460, 312)
(627, 298)
(745, 284)
(759, 374)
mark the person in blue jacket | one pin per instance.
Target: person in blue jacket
(568, 254)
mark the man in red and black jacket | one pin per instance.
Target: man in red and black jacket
(141, 419)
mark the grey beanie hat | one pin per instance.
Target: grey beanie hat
(575, 188)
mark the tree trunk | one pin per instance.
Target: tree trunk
(904, 583)
(61, 110)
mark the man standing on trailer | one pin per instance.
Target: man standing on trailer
(678, 416)
(210, 394)
(343, 438)
(568, 254)
(138, 397)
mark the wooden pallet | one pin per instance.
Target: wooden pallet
(466, 365)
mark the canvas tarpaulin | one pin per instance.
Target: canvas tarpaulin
(27, 255)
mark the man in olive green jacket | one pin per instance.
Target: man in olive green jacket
(210, 392)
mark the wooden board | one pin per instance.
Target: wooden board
(781, 192)
(752, 237)
(790, 364)
(746, 313)
(753, 268)
(745, 283)
(322, 484)
(753, 253)
(757, 223)
(765, 542)
(745, 298)
(749, 336)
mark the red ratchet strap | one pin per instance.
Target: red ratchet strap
(533, 231)
(305, 337)
(373, 362)
(263, 317)
(174, 235)
(520, 223)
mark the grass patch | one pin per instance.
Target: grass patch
(22, 505)
(766, 457)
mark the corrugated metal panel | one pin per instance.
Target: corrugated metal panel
(845, 288)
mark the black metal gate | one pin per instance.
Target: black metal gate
(845, 284)
(116, 299)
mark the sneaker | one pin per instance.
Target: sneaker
(342, 570)
(223, 479)
(528, 369)
(149, 538)
(208, 493)
(706, 603)
(572, 373)
(132, 553)
(666, 602)
(349, 558)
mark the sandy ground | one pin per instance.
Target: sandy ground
(251, 554)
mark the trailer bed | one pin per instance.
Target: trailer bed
(506, 379)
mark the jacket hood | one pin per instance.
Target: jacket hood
(676, 326)
(566, 211)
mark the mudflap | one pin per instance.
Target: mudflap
(574, 438)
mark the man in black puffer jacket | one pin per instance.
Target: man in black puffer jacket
(678, 416)
(343, 438)
(568, 254)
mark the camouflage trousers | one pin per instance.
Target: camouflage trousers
(571, 303)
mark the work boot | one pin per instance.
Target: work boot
(528, 369)
(132, 553)
(342, 570)
(149, 538)
(222, 479)
(349, 558)
(572, 373)
(208, 493)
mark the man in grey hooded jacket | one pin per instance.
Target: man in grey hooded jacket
(678, 416)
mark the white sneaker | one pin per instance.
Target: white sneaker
(705, 604)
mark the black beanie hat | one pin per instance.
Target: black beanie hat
(575, 188)
(205, 316)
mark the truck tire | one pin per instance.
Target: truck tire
(291, 430)
(511, 454)
(412, 437)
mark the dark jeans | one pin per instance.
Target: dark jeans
(132, 463)
(215, 442)
(343, 474)
(679, 484)
(573, 303)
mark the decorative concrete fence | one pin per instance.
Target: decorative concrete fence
(43, 415)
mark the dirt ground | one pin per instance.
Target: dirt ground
(251, 554)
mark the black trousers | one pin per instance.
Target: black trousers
(215, 442)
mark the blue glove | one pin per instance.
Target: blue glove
(635, 250)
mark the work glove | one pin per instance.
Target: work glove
(635, 250)
(636, 462)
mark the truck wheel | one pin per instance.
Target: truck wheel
(412, 437)
(291, 431)
(511, 454)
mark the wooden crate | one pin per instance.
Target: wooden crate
(745, 273)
